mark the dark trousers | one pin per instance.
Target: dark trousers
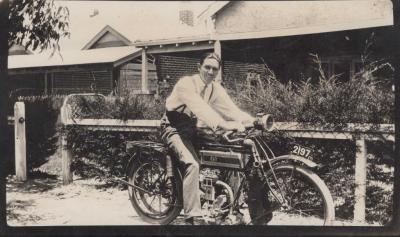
(178, 131)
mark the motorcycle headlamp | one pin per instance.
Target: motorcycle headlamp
(264, 122)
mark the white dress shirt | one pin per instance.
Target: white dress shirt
(212, 109)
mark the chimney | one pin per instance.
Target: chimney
(185, 13)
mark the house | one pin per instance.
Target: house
(140, 45)
(100, 56)
(282, 35)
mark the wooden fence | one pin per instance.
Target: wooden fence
(359, 133)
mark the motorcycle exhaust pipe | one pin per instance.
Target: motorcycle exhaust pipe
(230, 194)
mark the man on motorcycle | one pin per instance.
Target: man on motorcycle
(197, 97)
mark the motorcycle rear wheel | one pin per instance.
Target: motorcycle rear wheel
(162, 202)
(308, 200)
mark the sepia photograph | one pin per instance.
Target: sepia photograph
(211, 113)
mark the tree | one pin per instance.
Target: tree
(37, 24)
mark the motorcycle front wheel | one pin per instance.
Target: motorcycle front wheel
(301, 197)
(156, 198)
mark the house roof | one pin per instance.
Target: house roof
(265, 19)
(115, 55)
(175, 40)
(128, 21)
(283, 18)
(212, 9)
(134, 20)
(106, 30)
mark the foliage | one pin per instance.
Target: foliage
(42, 122)
(360, 100)
(331, 103)
(336, 160)
(380, 177)
(363, 99)
(37, 24)
(379, 204)
(101, 154)
(128, 107)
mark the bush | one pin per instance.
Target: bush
(42, 123)
(330, 103)
(102, 154)
(124, 108)
(363, 99)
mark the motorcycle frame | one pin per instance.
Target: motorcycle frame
(143, 146)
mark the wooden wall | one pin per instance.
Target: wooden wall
(130, 78)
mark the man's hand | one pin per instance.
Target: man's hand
(232, 125)
(249, 123)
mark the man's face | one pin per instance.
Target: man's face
(209, 69)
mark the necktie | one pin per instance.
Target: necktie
(202, 93)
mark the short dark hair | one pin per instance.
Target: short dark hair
(210, 55)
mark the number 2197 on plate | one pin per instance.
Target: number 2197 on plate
(301, 151)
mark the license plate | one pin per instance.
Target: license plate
(302, 151)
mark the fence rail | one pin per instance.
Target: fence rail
(359, 133)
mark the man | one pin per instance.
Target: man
(197, 97)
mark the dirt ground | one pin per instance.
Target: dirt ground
(44, 201)
(47, 202)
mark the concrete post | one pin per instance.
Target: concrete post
(20, 141)
(360, 181)
(66, 157)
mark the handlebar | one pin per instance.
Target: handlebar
(226, 137)
(264, 122)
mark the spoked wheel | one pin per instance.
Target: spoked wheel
(155, 197)
(302, 198)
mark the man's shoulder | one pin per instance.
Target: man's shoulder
(186, 80)
(188, 77)
(217, 85)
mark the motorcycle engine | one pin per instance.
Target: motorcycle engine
(217, 198)
(208, 178)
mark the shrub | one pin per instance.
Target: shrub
(330, 103)
(102, 154)
(42, 122)
(128, 107)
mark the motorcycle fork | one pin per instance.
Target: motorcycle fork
(259, 166)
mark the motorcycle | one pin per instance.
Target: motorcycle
(291, 192)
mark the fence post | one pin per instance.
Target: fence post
(66, 154)
(360, 181)
(20, 141)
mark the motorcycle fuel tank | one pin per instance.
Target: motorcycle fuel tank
(226, 159)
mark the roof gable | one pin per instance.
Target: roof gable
(107, 37)
(212, 9)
